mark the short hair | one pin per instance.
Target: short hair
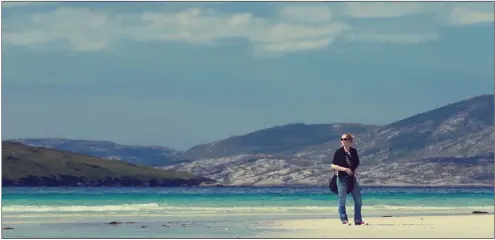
(348, 135)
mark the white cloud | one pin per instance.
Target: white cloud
(382, 9)
(84, 29)
(454, 14)
(292, 46)
(14, 4)
(460, 16)
(196, 25)
(396, 38)
(306, 13)
(23, 4)
(294, 28)
(439, 15)
(88, 30)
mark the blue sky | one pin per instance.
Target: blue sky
(180, 74)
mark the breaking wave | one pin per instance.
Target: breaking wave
(165, 208)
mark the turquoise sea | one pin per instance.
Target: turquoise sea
(217, 212)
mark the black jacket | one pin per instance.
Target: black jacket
(339, 158)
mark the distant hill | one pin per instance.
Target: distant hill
(146, 155)
(34, 166)
(461, 129)
(460, 133)
(450, 145)
(286, 139)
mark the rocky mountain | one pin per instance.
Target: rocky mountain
(451, 145)
(287, 139)
(456, 140)
(267, 170)
(281, 139)
(147, 155)
(461, 129)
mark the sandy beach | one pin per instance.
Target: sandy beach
(475, 226)
(262, 226)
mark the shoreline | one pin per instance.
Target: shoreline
(230, 212)
(364, 185)
(259, 186)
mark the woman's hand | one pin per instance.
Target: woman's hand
(348, 171)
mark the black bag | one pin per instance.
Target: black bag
(333, 184)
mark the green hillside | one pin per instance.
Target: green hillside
(24, 165)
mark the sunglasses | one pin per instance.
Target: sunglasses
(345, 139)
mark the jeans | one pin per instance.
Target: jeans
(356, 195)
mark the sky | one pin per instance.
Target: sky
(181, 74)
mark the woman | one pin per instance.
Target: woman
(345, 162)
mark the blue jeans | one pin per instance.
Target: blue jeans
(356, 195)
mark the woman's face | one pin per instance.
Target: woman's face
(346, 141)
